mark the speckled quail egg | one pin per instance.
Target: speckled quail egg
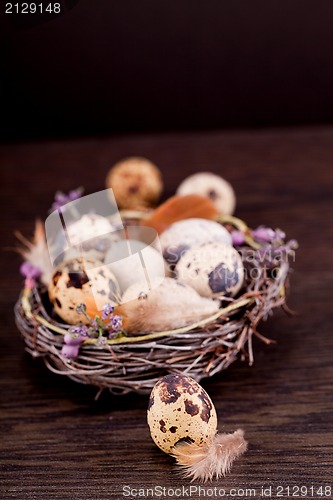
(182, 422)
(91, 233)
(79, 281)
(132, 260)
(212, 269)
(182, 235)
(179, 410)
(89, 226)
(214, 187)
(167, 306)
(135, 182)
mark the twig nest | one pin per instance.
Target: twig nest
(167, 306)
(214, 187)
(79, 281)
(132, 260)
(212, 269)
(182, 235)
(183, 422)
(136, 182)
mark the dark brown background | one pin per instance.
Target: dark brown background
(58, 443)
(160, 65)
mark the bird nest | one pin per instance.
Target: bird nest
(134, 363)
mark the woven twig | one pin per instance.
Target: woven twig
(136, 363)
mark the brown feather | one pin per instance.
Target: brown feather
(178, 208)
(213, 459)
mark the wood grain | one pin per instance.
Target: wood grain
(57, 442)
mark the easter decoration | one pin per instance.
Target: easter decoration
(183, 423)
(124, 297)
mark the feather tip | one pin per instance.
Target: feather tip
(213, 459)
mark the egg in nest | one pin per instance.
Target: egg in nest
(184, 234)
(79, 281)
(212, 269)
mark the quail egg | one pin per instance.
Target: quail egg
(135, 182)
(132, 260)
(183, 422)
(179, 410)
(212, 269)
(182, 235)
(79, 281)
(91, 233)
(214, 187)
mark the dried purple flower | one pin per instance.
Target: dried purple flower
(107, 309)
(263, 233)
(30, 271)
(70, 351)
(81, 308)
(279, 235)
(95, 324)
(70, 339)
(238, 237)
(115, 323)
(81, 330)
(268, 235)
(76, 335)
(101, 341)
(61, 198)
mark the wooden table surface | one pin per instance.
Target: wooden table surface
(57, 442)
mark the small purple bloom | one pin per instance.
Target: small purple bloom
(107, 310)
(238, 238)
(94, 324)
(61, 199)
(292, 244)
(265, 234)
(70, 339)
(70, 351)
(279, 235)
(81, 308)
(30, 271)
(80, 330)
(115, 323)
(268, 235)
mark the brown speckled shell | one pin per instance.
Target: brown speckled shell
(68, 288)
(212, 269)
(136, 182)
(180, 409)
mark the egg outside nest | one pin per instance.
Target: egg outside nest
(183, 423)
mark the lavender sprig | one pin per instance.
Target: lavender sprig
(238, 237)
(31, 273)
(61, 198)
(100, 328)
(268, 235)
